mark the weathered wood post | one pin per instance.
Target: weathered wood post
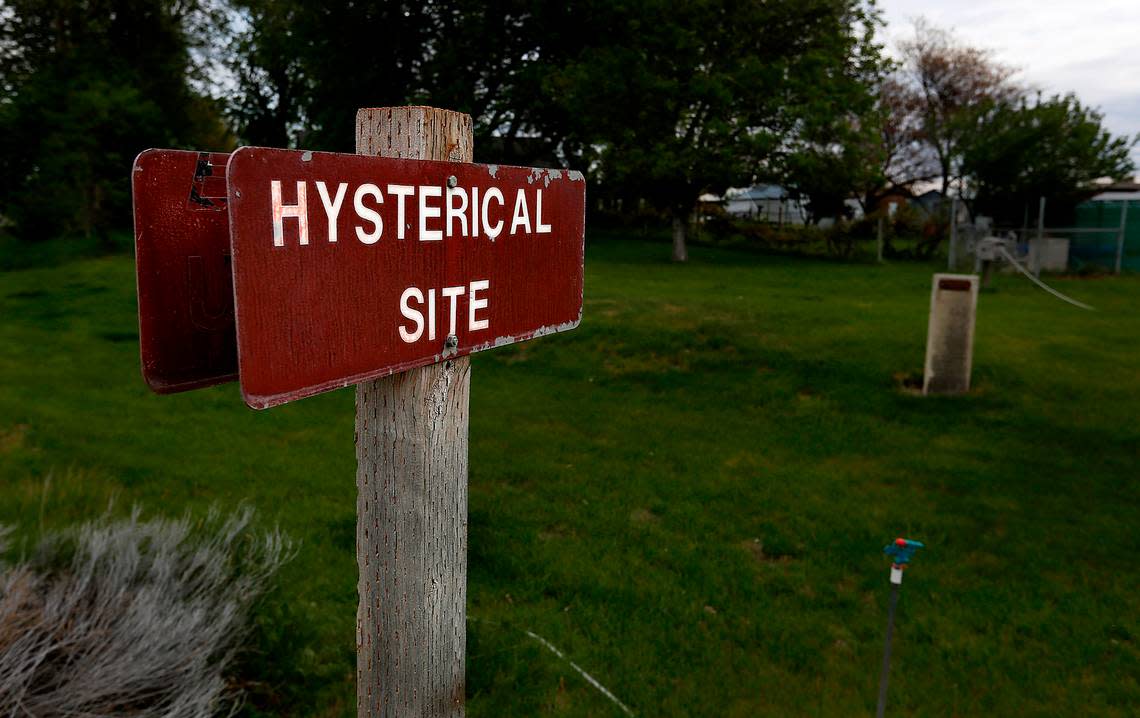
(312, 314)
(411, 480)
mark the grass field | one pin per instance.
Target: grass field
(688, 495)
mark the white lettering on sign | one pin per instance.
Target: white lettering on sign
(300, 210)
(453, 294)
(332, 207)
(496, 195)
(476, 304)
(409, 313)
(521, 216)
(402, 192)
(412, 333)
(367, 214)
(441, 212)
(426, 213)
(539, 227)
(474, 211)
(459, 213)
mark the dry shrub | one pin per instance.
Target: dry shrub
(132, 617)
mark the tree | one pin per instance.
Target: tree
(684, 98)
(270, 88)
(658, 100)
(827, 172)
(88, 84)
(942, 92)
(896, 155)
(305, 68)
(1054, 147)
(493, 80)
(843, 145)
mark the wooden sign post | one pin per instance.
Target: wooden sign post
(301, 272)
(411, 483)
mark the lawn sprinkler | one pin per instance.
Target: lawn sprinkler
(901, 551)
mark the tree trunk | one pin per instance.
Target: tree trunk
(680, 226)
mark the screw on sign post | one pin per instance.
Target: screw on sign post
(411, 482)
(382, 269)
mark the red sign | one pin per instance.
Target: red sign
(182, 246)
(349, 267)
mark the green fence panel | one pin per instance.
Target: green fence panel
(1099, 249)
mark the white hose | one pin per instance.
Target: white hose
(590, 679)
(1043, 285)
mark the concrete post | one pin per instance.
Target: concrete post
(950, 334)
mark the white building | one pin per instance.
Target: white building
(766, 202)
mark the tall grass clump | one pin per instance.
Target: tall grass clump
(132, 617)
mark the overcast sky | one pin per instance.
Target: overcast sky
(1090, 47)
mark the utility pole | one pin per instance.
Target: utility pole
(1036, 254)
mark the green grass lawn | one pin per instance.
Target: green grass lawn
(688, 495)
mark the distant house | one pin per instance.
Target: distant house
(892, 198)
(1118, 192)
(767, 202)
(928, 201)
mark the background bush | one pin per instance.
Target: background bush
(132, 617)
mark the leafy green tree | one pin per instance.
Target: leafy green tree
(304, 68)
(658, 100)
(1051, 147)
(87, 85)
(684, 98)
(828, 172)
(269, 90)
(843, 144)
